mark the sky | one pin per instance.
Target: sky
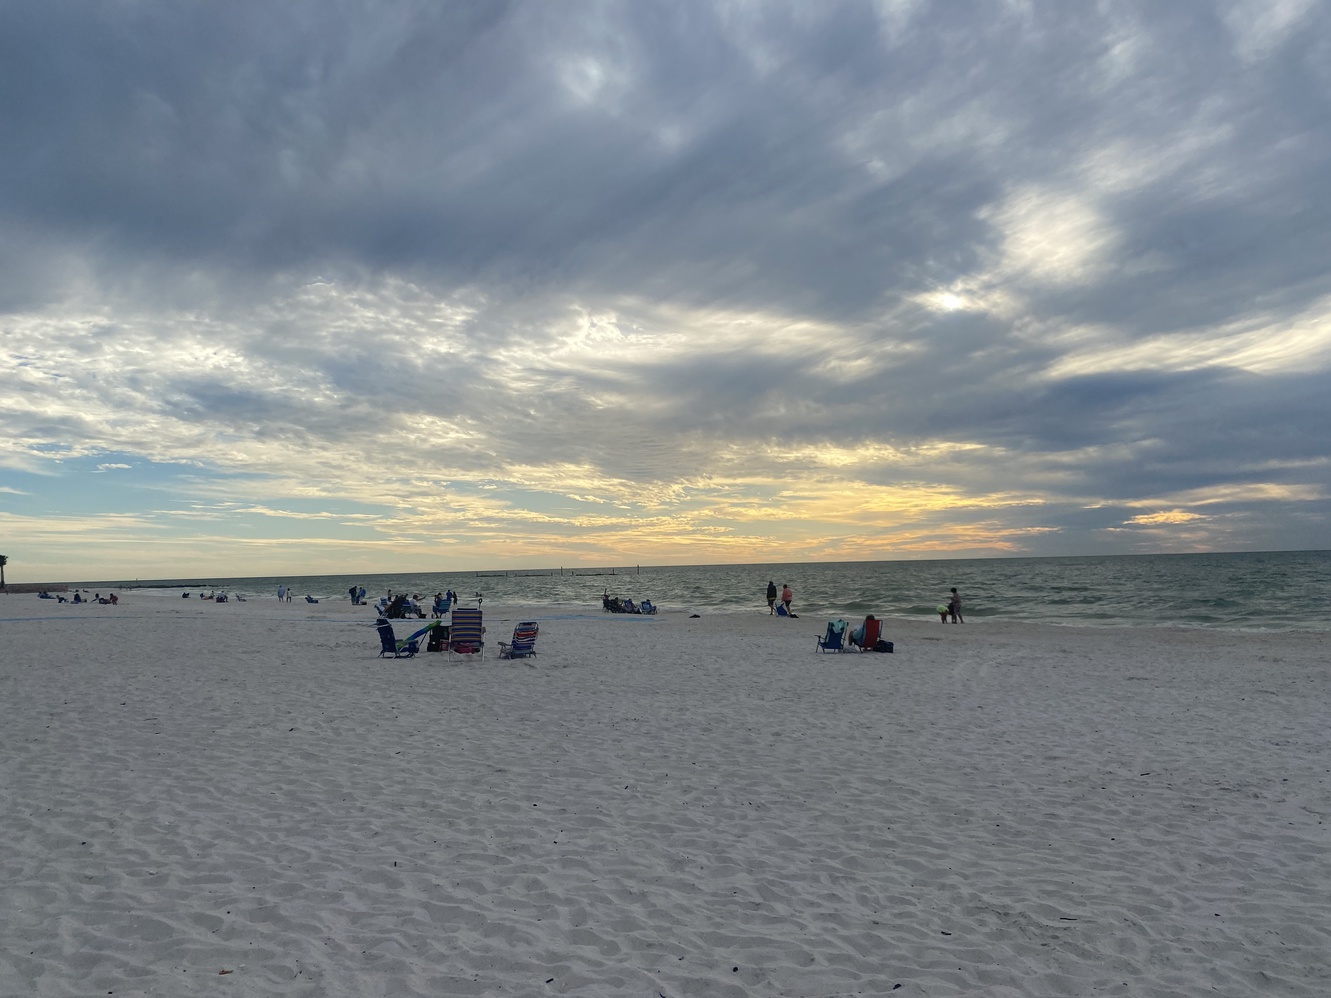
(333, 287)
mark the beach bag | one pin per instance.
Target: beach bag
(438, 639)
(883, 646)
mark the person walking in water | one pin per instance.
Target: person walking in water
(786, 596)
(771, 597)
(954, 607)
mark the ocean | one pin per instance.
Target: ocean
(1284, 590)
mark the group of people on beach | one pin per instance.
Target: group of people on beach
(787, 597)
(613, 604)
(952, 609)
(110, 599)
(400, 606)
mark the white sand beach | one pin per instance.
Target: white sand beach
(241, 799)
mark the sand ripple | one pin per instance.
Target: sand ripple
(686, 807)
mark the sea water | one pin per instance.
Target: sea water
(1287, 590)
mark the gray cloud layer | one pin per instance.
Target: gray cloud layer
(662, 242)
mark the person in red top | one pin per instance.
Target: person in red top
(786, 596)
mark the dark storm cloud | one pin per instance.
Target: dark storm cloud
(723, 156)
(437, 138)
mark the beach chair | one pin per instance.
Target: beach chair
(523, 644)
(441, 607)
(424, 637)
(466, 636)
(389, 645)
(873, 629)
(835, 638)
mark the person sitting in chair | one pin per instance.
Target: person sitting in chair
(857, 635)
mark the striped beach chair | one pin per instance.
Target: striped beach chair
(466, 636)
(523, 644)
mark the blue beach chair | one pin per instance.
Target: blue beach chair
(390, 645)
(835, 638)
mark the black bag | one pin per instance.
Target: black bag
(883, 646)
(438, 639)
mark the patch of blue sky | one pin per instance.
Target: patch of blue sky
(554, 503)
(23, 493)
(175, 494)
(102, 483)
(285, 519)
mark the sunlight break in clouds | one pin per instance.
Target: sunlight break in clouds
(1165, 517)
(1052, 237)
(1260, 343)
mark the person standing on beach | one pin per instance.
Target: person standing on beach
(771, 597)
(281, 594)
(786, 596)
(954, 607)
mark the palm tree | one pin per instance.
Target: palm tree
(4, 560)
